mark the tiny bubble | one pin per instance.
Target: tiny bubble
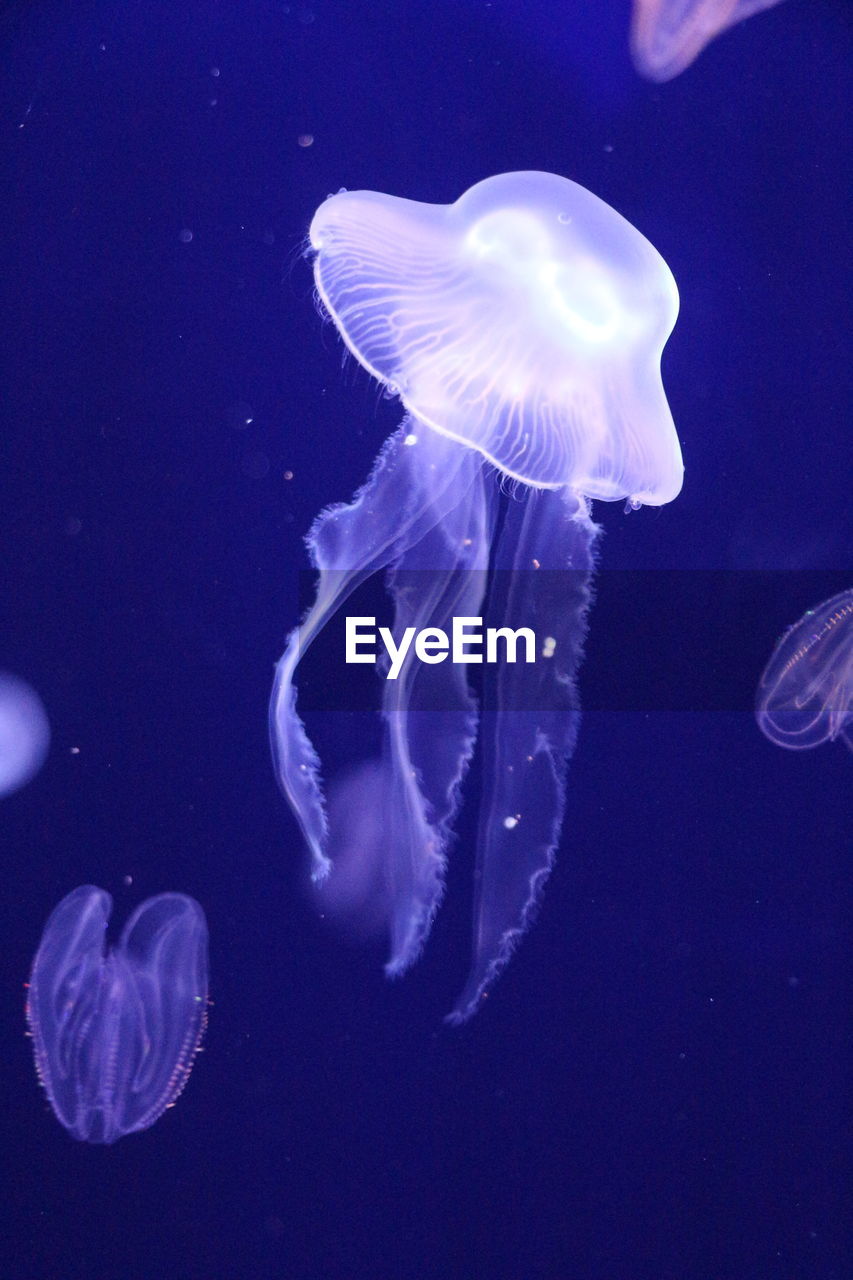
(564, 218)
(214, 71)
(305, 139)
(288, 475)
(185, 236)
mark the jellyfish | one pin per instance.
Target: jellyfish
(805, 696)
(667, 35)
(521, 328)
(115, 1030)
(24, 733)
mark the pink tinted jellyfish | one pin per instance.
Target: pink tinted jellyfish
(667, 35)
(805, 696)
(522, 328)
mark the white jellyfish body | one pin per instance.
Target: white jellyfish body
(522, 327)
(527, 320)
(24, 733)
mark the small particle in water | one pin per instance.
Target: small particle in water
(288, 475)
(410, 439)
(240, 415)
(549, 646)
(185, 236)
(214, 71)
(305, 139)
(511, 822)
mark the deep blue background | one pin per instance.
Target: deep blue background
(656, 1088)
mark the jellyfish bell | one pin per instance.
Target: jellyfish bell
(522, 328)
(526, 320)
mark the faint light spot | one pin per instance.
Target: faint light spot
(185, 236)
(214, 71)
(288, 475)
(608, 147)
(255, 465)
(564, 218)
(74, 751)
(511, 822)
(549, 645)
(305, 139)
(536, 564)
(410, 440)
(127, 881)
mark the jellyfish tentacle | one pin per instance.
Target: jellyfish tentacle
(529, 723)
(413, 486)
(430, 715)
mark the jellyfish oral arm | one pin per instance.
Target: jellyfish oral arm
(528, 726)
(414, 485)
(429, 713)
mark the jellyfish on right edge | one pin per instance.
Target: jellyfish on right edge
(667, 35)
(522, 327)
(805, 696)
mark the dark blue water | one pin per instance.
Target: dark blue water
(655, 1089)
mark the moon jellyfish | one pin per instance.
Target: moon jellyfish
(24, 733)
(667, 35)
(522, 329)
(115, 1034)
(806, 692)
